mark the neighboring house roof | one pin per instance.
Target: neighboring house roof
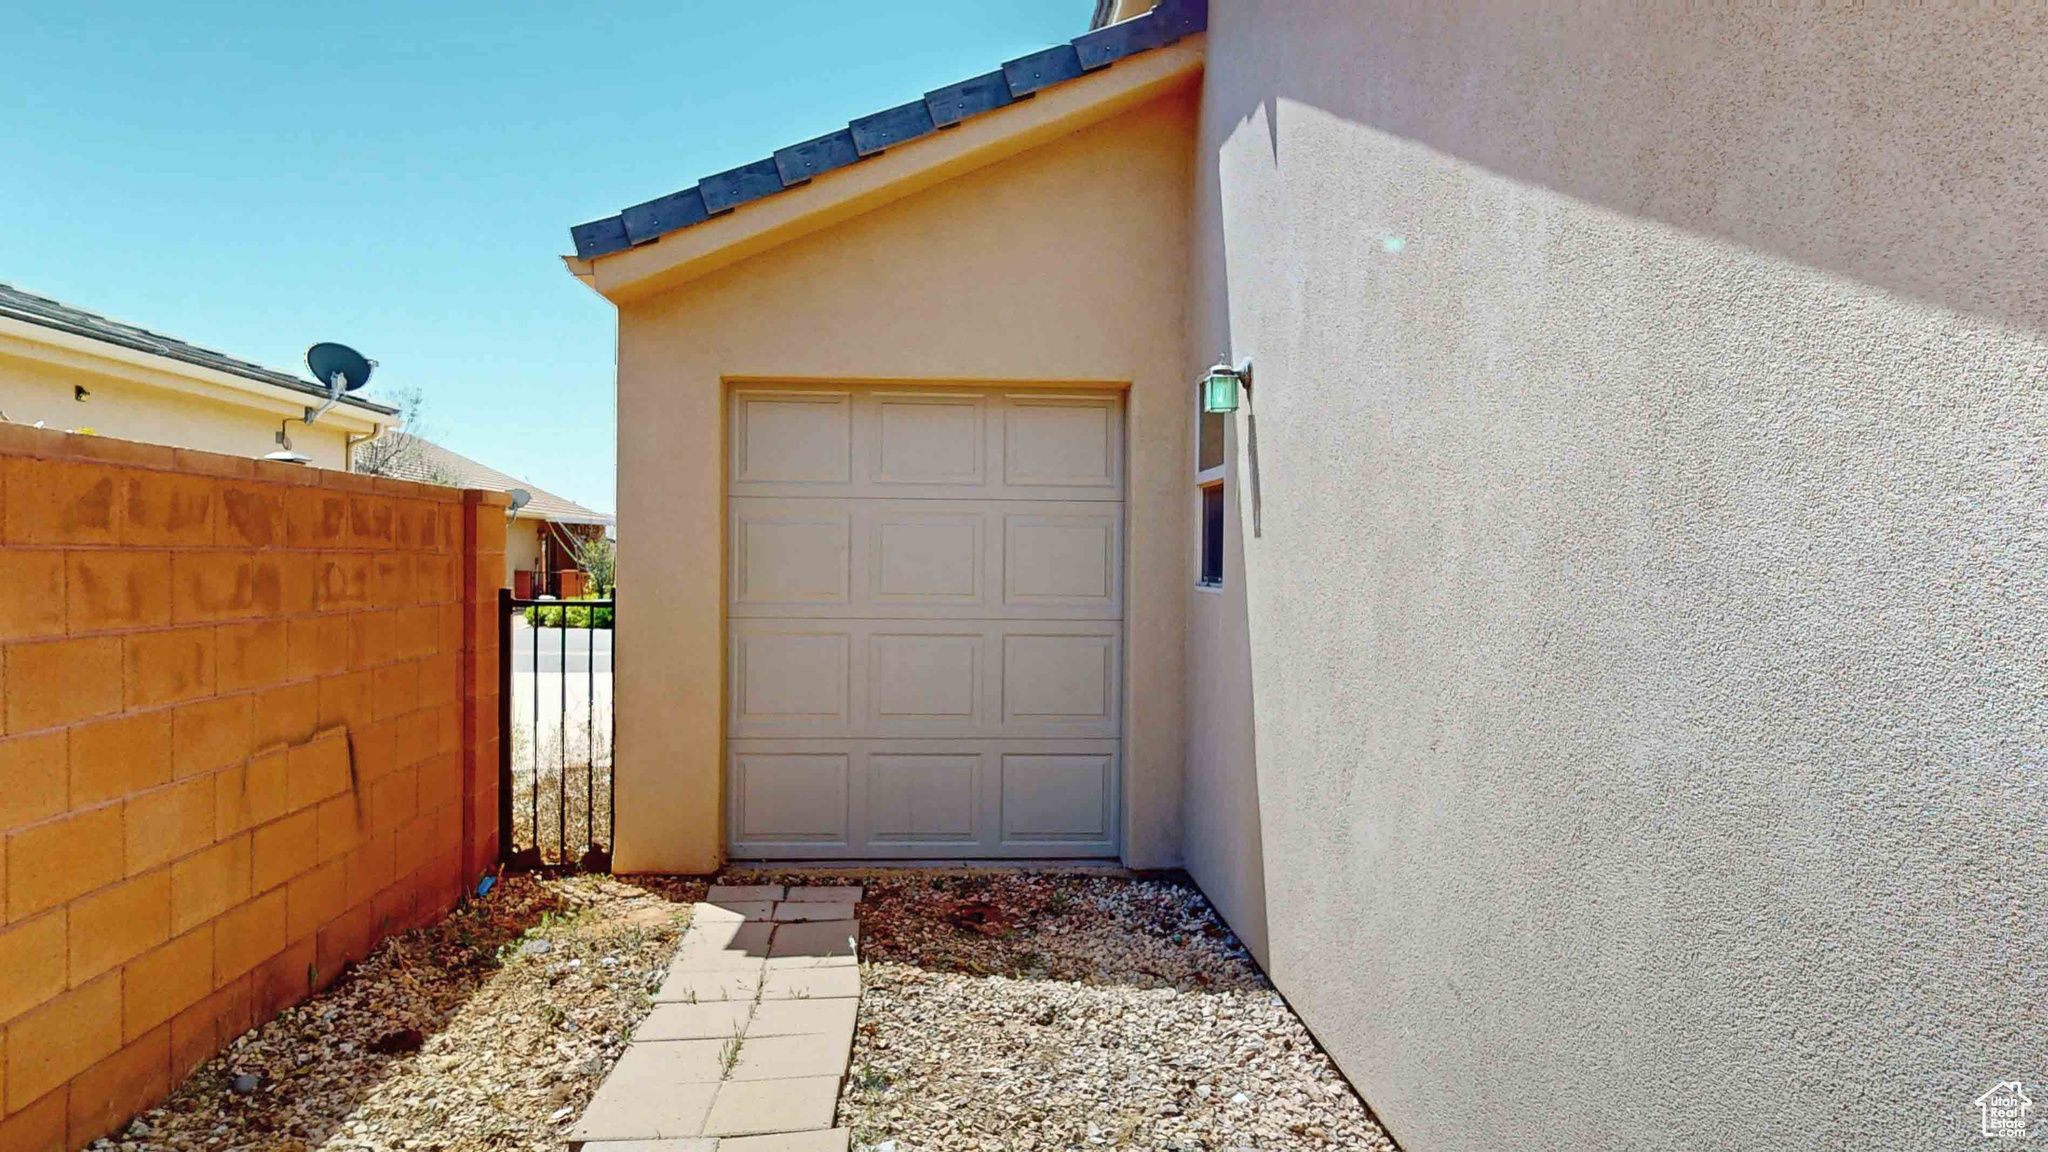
(433, 464)
(46, 313)
(873, 134)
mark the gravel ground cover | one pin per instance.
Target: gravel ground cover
(489, 1030)
(1008, 1011)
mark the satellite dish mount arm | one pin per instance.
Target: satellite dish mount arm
(336, 385)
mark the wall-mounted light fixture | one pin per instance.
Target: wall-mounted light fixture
(79, 392)
(1219, 387)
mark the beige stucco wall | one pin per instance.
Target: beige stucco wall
(31, 390)
(1647, 617)
(522, 547)
(1063, 264)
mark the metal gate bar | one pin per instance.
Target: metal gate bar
(522, 751)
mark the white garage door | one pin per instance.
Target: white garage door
(925, 622)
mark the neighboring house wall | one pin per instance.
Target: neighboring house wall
(130, 402)
(522, 547)
(250, 728)
(1062, 264)
(1645, 619)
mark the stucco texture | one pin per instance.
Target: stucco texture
(1645, 626)
(1063, 264)
(128, 410)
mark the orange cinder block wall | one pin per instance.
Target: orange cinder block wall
(248, 728)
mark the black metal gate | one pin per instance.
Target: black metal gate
(556, 732)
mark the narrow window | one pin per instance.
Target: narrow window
(1209, 442)
(1212, 536)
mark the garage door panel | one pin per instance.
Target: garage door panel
(792, 438)
(795, 796)
(792, 556)
(917, 679)
(1057, 798)
(927, 439)
(921, 558)
(1053, 679)
(790, 678)
(1068, 442)
(923, 799)
(892, 443)
(1062, 560)
(926, 559)
(1048, 679)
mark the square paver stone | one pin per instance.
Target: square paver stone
(826, 893)
(791, 1057)
(802, 1017)
(700, 986)
(752, 1107)
(656, 1091)
(729, 910)
(830, 1140)
(721, 893)
(710, 1020)
(792, 911)
(728, 945)
(811, 984)
(827, 943)
(687, 1144)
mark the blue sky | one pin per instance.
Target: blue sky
(402, 177)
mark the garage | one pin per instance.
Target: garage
(924, 621)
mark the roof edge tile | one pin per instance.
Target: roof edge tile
(869, 135)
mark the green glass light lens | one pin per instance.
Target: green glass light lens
(1219, 392)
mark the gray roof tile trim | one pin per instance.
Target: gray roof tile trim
(736, 186)
(956, 102)
(799, 162)
(892, 126)
(47, 313)
(875, 133)
(1056, 65)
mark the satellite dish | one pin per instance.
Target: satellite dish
(330, 360)
(520, 499)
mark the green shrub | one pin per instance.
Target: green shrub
(550, 615)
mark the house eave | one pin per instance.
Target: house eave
(35, 343)
(685, 255)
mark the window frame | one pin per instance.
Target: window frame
(1206, 479)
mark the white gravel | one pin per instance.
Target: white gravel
(1019, 1011)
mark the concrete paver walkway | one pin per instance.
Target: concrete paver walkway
(750, 1035)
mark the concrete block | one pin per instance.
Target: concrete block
(753, 1107)
(798, 911)
(826, 893)
(697, 986)
(810, 984)
(706, 1020)
(806, 1016)
(722, 893)
(791, 1057)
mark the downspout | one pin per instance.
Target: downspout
(348, 446)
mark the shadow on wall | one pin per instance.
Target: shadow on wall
(1223, 844)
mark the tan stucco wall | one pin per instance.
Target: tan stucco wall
(32, 391)
(522, 547)
(1647, 619)
(1062, 264)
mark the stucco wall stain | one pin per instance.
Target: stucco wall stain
(1648, 615)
